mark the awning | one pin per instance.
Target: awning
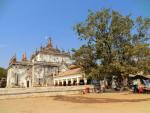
(134, 76)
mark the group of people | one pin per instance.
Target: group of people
(140, 86)
(115, 84)
(103, 85)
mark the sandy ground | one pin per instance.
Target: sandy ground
(89, 103)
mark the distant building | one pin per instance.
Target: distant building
(41, 70)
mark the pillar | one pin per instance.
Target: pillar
(78, 80)
(85, 81)
(66, 82)
(72, 81)
(54, 82)
(62, 81)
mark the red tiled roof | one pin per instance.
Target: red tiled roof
(70, 72)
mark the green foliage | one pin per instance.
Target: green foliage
(115, 44)
(3, 73)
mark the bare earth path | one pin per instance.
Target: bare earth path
(91, 103)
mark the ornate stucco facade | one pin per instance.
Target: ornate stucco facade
(40, 70)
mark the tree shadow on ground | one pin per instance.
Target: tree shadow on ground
(81, 99)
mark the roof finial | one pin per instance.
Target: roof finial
(24, 57)
(41, 48)
(57, 49)
(36, 51)
(49, 45)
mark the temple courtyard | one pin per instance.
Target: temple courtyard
(88, 103)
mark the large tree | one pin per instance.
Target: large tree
(115, 44)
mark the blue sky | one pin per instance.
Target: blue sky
(25, 24)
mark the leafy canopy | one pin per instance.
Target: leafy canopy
(115, 44)
(3, 73)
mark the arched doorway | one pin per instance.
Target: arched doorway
(16, 79)
(28, 83)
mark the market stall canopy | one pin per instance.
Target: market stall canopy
(139, 76)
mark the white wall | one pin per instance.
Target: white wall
(53, 58)
(14, 72)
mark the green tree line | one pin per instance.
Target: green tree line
(3, 73)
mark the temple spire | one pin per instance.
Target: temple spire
(24, 57)
(49, 44)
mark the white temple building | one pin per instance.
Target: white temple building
(47, 67)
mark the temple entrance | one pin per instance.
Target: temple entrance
(16, 80)
(28, 84)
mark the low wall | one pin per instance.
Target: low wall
(8, 93)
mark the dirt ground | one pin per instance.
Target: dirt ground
(89, 103)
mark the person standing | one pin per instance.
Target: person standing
(102, 84)
(135, 86)
(114, 86)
